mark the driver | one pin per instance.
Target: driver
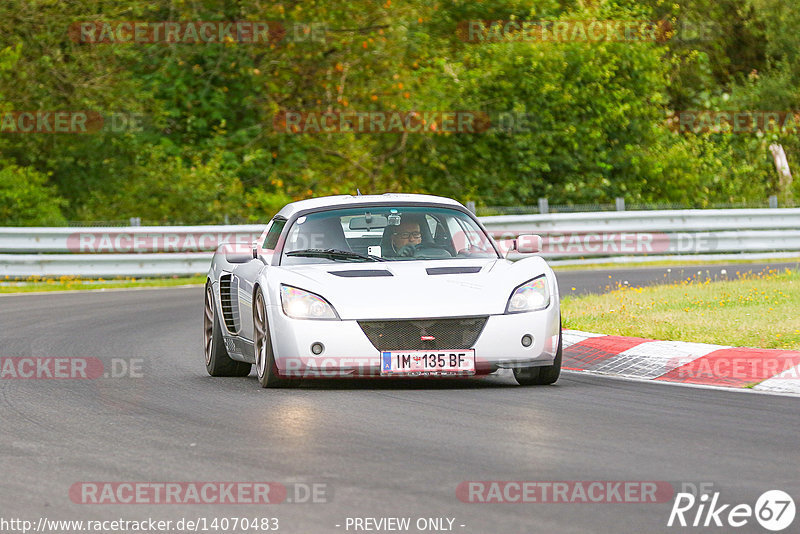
(406, 237)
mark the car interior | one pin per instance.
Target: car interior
(371, 234)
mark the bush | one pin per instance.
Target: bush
(167, 188)
(27, 200)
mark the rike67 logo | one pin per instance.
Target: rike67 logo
(774, 510)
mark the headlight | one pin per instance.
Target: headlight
(531, 296)
(300, 304)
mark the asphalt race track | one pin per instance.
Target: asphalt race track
(602, 280)
(396, 448)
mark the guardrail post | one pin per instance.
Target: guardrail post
(471, 205)
(784, 173)
(773, 201)
(620, 203)
(544, 206)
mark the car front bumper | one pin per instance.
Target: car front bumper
(349, 352)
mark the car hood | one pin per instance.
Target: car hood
(436, 288)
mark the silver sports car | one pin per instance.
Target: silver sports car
(387, 285)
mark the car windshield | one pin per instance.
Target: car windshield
(385, 233)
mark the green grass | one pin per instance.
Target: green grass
(677, 262)
(72, 284)
(759, 310)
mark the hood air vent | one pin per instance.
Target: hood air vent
(365, 273)
(453, 270)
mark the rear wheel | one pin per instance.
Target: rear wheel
(541, 376)
(266, 368)
(218, 362)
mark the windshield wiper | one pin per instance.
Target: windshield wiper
(333, 254)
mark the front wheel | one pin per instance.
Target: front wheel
(541, 376)
(266, 368)
(218, 361)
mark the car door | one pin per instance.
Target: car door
(246, 275)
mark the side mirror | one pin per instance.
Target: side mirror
(528, 244)
(238, 253)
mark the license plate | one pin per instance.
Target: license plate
(428, 362)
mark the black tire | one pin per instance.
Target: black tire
(266, 368)
(541, 376)
(218, 361)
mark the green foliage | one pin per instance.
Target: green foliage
(166, 188)
(589, 118)
(261, 205)
(26, 199)
(697, 170)
(572, 123)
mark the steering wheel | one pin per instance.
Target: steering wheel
(433, 252)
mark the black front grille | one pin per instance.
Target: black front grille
(461, 333)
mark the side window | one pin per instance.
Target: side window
(431, 224)
(274, 233)
(466, 236)
(456, 232)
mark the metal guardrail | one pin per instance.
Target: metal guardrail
(169, 251)
(104, 265)
(611, 244)
(650, 221)
(124, 240)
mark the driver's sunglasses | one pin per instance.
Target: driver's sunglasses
(408, 235)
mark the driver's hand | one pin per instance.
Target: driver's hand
(407, 251)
